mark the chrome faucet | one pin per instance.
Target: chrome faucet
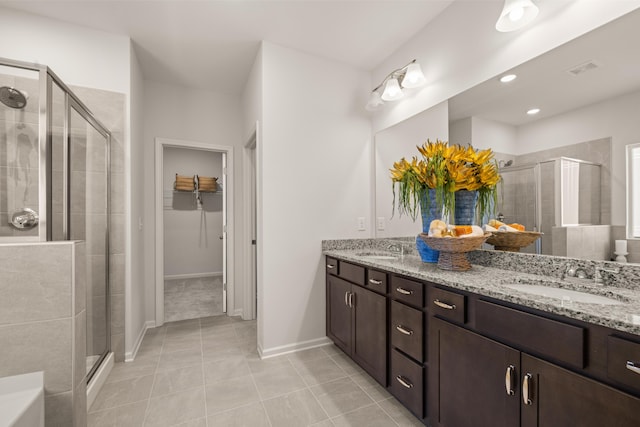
(599, 278)
(395, 248)
(573, 271)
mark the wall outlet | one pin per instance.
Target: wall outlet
(380, 223)
(361, 225)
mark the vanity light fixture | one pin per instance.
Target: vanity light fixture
(533, 111)
(408, 77)
(508, 78)
(516, 14)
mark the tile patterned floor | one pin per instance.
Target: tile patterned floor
(192, 298)
(206, 373)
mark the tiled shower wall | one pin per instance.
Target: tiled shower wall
(109, 108)
(43, 323)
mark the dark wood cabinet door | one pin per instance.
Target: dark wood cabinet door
(369, 345)
(471, 388)
(563, 398)
(339, 312)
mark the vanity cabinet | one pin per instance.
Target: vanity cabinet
(460, 359)
(357, 321)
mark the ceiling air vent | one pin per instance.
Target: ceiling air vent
(583, 68)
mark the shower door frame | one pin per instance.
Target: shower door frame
(228, 215)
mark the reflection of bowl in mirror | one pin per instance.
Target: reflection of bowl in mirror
(512, 241)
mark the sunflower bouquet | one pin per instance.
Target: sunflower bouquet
(446, 169)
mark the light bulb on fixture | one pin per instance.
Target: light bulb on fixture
(516, 14)
(533, 111)
(374, 101)
(413, 77)
(508, 78)
(392, 90)
(408, 77)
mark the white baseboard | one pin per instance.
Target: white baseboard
(99, 378)
(192, 275)
(293, 348)
(236, 312)
(129, 356)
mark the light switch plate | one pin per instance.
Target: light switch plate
(380, 223)
(361, 225)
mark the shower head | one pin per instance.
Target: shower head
(13, 98)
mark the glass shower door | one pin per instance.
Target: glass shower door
(88, 220)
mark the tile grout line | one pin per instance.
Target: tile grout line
(311, 391)
(204, 381)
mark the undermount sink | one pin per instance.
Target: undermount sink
(378, 256)
(565, 295)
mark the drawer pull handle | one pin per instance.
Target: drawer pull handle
(633, 367)
(444, 305)
(508, 380)
(526, 396)
(403, 291)
(404, 381)
(404, 330)
(375, 282)
(331, 266)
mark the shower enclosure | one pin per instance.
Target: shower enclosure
(550, 196)
(55, 181)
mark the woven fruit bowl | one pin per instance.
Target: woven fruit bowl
(453, 250)
(512, 241)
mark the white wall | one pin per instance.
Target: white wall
(316, 164)
(461, 48)
(191, 229)
(78, 55)
(616, 118)
(390, 146)
(134, 180)
(498, 136)
(181, 113)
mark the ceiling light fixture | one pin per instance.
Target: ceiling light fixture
(408, 77)
(533, 111)
(516, 14)
(508, 78)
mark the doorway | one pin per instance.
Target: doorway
(193, 231)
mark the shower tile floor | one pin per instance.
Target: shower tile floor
(192, 298)
(206, 373)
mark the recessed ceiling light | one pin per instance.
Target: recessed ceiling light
(533, 111)
(508, 78)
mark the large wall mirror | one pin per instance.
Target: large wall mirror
(564, 168)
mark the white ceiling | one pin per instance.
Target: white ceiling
(545, 83)
(211, 44)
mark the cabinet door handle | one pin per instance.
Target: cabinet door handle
(403, 291)
(444, 305)
(526, 394)
(404, 330)
(351, 299)
(375, 282)
(346, 298)
(330, 266)
(404, 381)
(633, 367)
(508, 380)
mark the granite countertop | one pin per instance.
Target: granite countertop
(491, 282)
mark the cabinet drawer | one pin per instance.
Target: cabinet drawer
(623, 361)
(448, 305)
(407, 291)
(406, 330)
(332, 266)
(407, 383)
(377, 281)
(351, 272)
(527, 331)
